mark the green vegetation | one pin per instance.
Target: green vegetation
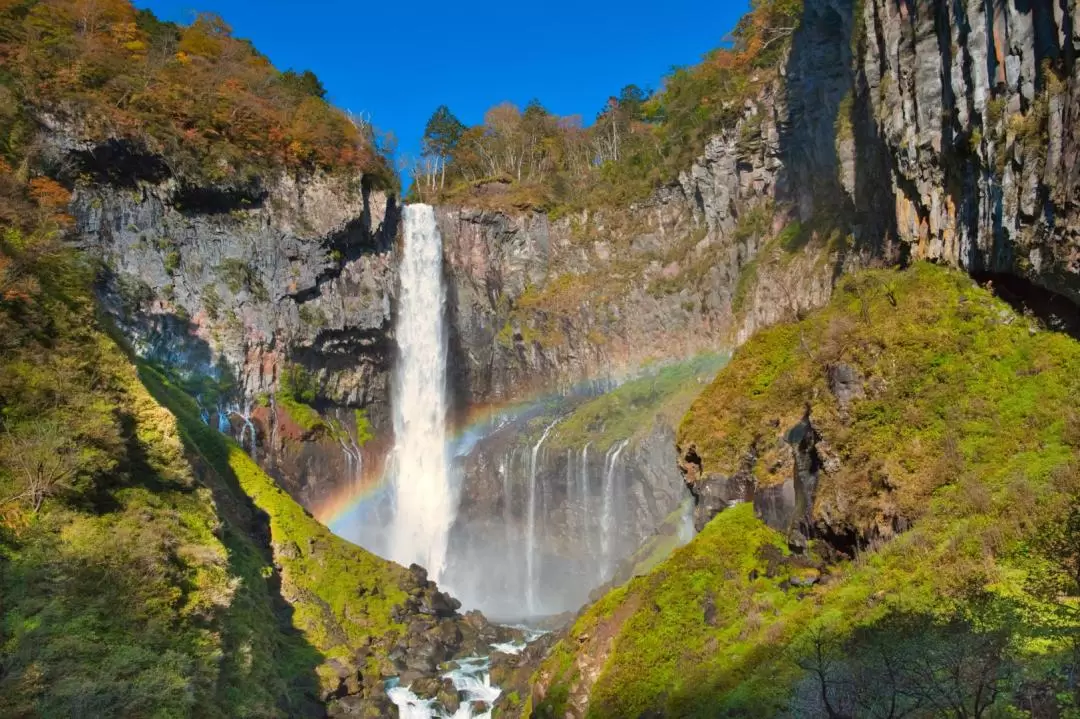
(532, 158)
(341, 594)
(966, 436)
(240, 276)
(632, 409)
(364, 430)
(128, 589)
(297, 390)
(211, 105)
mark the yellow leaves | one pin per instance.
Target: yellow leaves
(183, 58)
(128, 36)
(196, 42)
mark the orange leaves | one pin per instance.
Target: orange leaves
(53, 200)
(49, 193)
(13, 287)
(211, 101)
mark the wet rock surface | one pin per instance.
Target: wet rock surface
(435, 635)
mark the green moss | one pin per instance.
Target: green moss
(297, 391)
(141, 593)
(792, 238)
(744, 286)
(364, 431)
(631, 410)
(172, 262)
(665, 647)
(342, 594)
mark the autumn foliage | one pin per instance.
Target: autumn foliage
(638, 141)
(207, 102)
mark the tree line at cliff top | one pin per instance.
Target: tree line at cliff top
(640, 138)
(207, 103)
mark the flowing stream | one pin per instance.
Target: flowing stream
(472, 680)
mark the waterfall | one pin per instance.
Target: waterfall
(354, 456)
(424, 505)
(505, 465)
(583, 492)
(607, 518)
(530, 526)
(249, 426)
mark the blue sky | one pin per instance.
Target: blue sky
(397, 62)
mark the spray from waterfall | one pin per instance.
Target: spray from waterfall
(424, 502)
(530, 526)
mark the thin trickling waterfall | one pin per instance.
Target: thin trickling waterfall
(583, 492)
(424, 505)
(354, 457)
(607, 518)
(248, 430)
(530, 526)
(505, 466)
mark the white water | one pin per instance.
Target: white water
(472, 679)
(583, 489)
(424, 502)
(607, 518)
(530, 526)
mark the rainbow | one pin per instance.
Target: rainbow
(349, 505)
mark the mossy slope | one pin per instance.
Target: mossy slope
(970, 413)
(341, 595)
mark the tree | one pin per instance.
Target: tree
(304, 83)
(41, 458)
(441, 137)
(1054, 573)
(904, 666)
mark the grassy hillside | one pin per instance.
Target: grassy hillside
(147, 565)
(341, 594)
(967, 429)
(630, 410)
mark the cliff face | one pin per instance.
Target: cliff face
(541, 302)
(233, 285)
(976, 106)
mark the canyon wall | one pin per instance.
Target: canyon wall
(975, 105)
(895, 131)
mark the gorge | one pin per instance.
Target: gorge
(755, 396)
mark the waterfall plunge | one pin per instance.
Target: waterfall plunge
(424, 501)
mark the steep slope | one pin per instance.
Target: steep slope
(902, 463)
(148, 566)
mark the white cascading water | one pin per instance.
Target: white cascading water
(530, 526)
(424, 502)
(583, 490)
(607, 518)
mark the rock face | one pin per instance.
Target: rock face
(975, 106)
(231, 286)
(541, 303)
